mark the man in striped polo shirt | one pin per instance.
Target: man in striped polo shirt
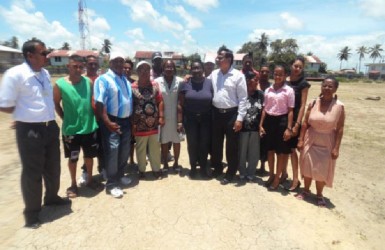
(113, 97)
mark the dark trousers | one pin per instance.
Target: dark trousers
(198, 129)
(222, 125)
(39, 150)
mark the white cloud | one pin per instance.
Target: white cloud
(24, 4)
(143, 11)
(291, 22)
(326, 48)
(27, 24)
(191, 22)
(203, 5)
(136, 34)
(373, 8)
(272, 34)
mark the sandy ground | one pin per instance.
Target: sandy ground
(178, 213)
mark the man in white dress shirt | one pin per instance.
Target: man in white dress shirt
(229, 109)
(26, 92)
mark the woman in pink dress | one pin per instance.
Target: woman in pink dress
(320, 139)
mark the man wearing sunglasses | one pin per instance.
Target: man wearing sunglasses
(26, 92)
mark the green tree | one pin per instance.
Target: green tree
(13, 43)
(344, 54)
(258, 48)
(193, 57)
(375, 52)
(361, 51)
(282, 52)
(106, 46)
(323, 68)
(263, 42)
(66, 46)
(309, 53)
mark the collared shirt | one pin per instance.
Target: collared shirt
(115, 93)
(229, 90)
(30, 92)
(277, 102)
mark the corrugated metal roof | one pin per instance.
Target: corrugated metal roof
(312, 59)
(144, 54)
(9, 49)
(68, 53)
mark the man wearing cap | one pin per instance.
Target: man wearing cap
(156, 70)
(113, 97)
(229, 109)
(26, 92)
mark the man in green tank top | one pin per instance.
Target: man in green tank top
(72, 97)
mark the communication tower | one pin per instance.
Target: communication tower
(83, 25)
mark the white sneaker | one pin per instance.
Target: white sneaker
(83, 179)
(116, 192)
(125, 181)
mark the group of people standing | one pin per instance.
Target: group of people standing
(108, 115)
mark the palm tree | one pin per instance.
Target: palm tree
(263, 42)
(66, 46)
(106, 46)
(361, 51)
(375, 51)
(344, 55)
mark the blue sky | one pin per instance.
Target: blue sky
(189, 26)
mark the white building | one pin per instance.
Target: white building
(9, 57)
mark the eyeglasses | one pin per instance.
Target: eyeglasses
(44, 53)
(92, 64)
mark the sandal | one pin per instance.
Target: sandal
(72, 192)
(321, 201)
(96, 186)
(303, 195)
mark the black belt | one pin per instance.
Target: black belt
(46, 124)
(115, 118)
(187, 112)
(224, 111)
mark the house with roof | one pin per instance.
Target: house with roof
(9, 57)
(147, 56)
(61, 57)
(312, 63)
(375, 70)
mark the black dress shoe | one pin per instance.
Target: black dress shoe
(33, 224)
(58, 202)
(192, 173)
(216, 173)
(225, 181)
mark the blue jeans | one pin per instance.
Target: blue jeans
(116, 149)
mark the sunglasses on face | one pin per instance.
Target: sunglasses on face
(44, 53)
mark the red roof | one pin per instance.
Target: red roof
(144, 54)
(68, 53)
(177, 57)
(312, 59)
